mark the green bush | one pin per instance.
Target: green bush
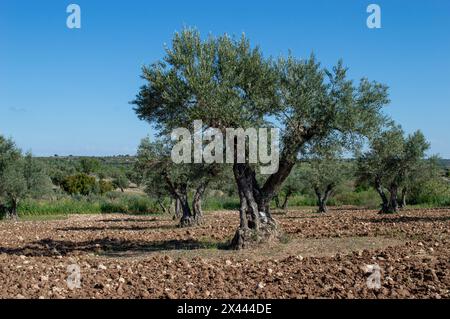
(105, 187)
(220, 203)
(130, 204)
(79, 184)
(141, 205)
(111, 207)
(364, 198)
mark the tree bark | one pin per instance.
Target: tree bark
(256, 222)
(193, 217)
(286, 199)
(179, 209)
(176, 208)
(402, 203)
(197, 202)
(186, 218)
(322, 199)
(393, 202)
(384, 199)
(388, 206)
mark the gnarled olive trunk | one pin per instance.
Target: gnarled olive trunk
(195, 216)
(389, 205)
(256, 222)
(187, 216)
(393, 201)
(197, 202)
(384, 199)
(322, 198)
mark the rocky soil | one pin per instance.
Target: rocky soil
(320, 256)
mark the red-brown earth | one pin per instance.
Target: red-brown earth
(320, 256)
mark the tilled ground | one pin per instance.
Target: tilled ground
(123, 256)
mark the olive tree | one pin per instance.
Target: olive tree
(20, 177)
(392, 163)
(227, 83)
(164, 178)
(324, 174)
(120, 181)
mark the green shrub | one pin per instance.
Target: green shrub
(130, 204)
(79, 184)
(141, 205)
(57, 207)
(105, 187)
(111, 207)
(364, 198)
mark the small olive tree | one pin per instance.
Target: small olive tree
(120, 181)
(164, 178)
(20, 177)
(324, 174)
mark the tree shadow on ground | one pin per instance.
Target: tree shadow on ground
(52, 248)
(311, 215)
(132, 220)
(129, 228)
(406, 219)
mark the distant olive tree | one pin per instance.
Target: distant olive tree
(393, 163)
(121, 182)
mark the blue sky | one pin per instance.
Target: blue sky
(66, 91)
